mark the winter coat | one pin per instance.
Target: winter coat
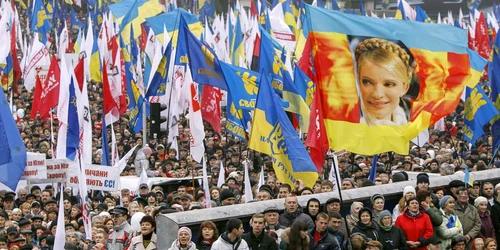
(351, 221)
(137, 243)
(326, 242)
(393, 239)
(487, 228)
(339, 235)
(176, 246)
(287, 219)
(285, 239)
(418, 228)
(471, 222)
(121, 236)
(495, 217)
(278, 229)
(262, 242)
(444, 232)
(370, 231)
(223, 243)
(141, 161)
(204, 245)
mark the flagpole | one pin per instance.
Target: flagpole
(493, 156)
(51, 135)
(144, 124)
(171, 82)
(340, 196)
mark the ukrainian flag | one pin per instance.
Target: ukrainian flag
(305, 86)
(273, 134)
(289, 17)
(237, 119)
(443, 66)
(133, 13)
(282, 81)
(242, 85)
(238, 45)
(171, 21)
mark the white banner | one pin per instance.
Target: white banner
(57, 171)
(104, 178)
(35, 167)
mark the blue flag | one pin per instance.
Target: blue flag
(39, 21)
(373, 170)
(478, 111)
(12, 149)
(237, 119)
(73, 136)
(422, 16)
(76, 24)
(273, 134)
(158, 85)
(362, 8)
(494, 74)
(105, 159)
(204, 64)
(242, 84)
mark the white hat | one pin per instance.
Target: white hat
(409, 189)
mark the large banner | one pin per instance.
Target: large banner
(57, 171)
(104, 178)
(35, 167)
(384, 81)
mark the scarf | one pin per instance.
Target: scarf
(292, 216)
(386, 228)
(188, 246)
(146, 239)
(413, 215)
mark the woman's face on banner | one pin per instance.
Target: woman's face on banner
(380, 90)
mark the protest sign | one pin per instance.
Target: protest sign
(104, 178)
(35, 167)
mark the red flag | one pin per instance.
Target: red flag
(305, 62)
(50, 89)
(143, 39)
(253, 9)
(210, 106)
(36, 97)
(316, 135)
(110, 107)
(13, 52)
(482, 38)
(79, 72)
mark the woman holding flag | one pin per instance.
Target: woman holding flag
(451, 225)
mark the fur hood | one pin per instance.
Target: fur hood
(285, 236)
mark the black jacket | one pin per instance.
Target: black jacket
(327, 242)
(495, 217)
(371, 232)
(262, 242)
(393, 239)
(204, 245)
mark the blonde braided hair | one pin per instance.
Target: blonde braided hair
(382, 44)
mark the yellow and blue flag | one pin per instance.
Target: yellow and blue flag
(39, 20)
(237, 119)
(473, 5)
(158, 85)
(422, 16)
(289, 17)
(437, 56)
(133, 13)
(273, 134)
(171, 21)
(478, 111)
(242, 85)
(76, 24)
(237, 45)
(400, 12)
(205, 66)
(494, 75)
(134, 98)
(282, 81)
(305, 86)
(467, 178)
(208, 11)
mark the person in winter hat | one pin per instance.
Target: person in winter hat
(183, 241)
(142, 161)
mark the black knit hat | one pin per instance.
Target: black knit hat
(226, 194)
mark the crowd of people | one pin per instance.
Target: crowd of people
(463, 217)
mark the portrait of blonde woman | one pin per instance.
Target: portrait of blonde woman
(384, 74)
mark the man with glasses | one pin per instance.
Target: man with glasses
(123, 232)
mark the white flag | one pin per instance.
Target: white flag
(208, 201)
(248, 186)
(60, 237)
(195, 121)
(222, 175)
(82, 186)
(38, 57)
